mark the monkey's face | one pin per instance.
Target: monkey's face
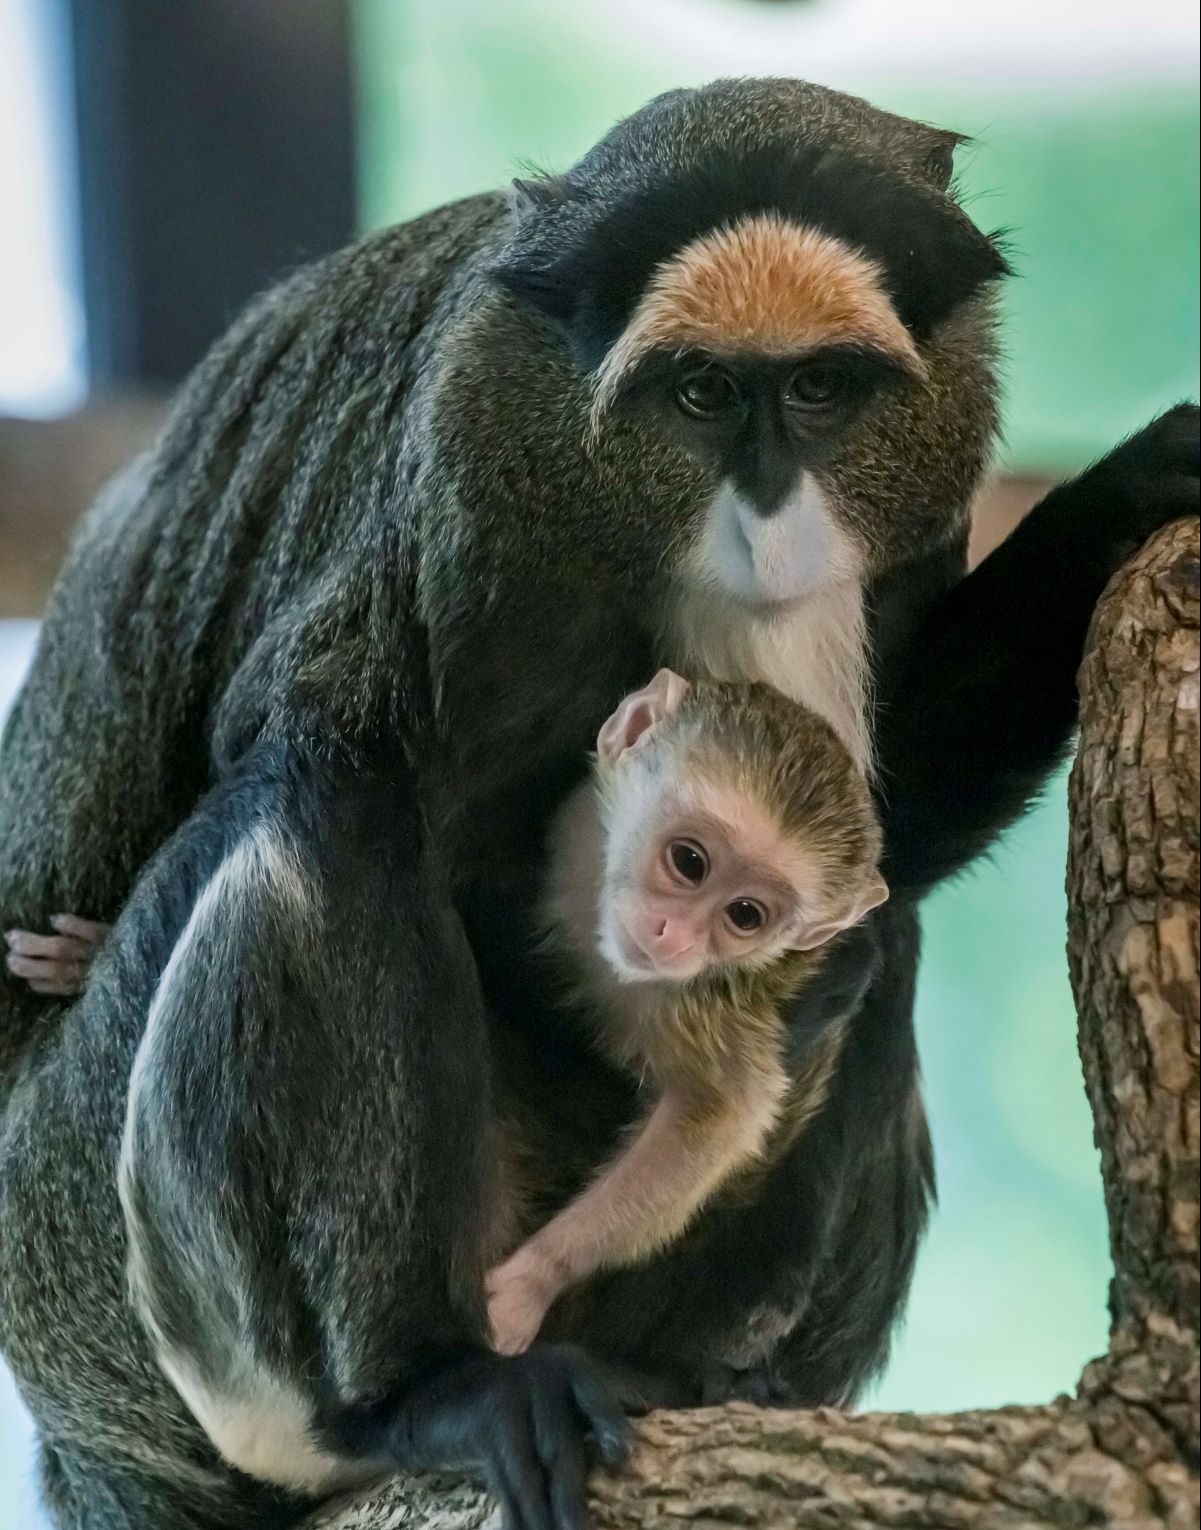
(768, 430)
(695, 881)
(699, 874)
(773, 281)
(735, 829)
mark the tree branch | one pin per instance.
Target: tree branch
(1123, 1451)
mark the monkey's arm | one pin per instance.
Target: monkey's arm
(973, 722)
(688, 1145)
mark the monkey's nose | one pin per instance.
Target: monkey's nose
(670, 937)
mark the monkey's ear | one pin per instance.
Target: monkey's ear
(871, 895)
(539, 286)
(535, 193)
(533, 268)
(628, 727)
(938, 163)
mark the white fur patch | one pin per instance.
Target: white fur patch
(263, 1427)
(778, 599)
(259, 864)
(774, 559)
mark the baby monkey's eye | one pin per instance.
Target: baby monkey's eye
(688, 861)
(746, 915)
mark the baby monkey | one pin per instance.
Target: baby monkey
(724, 834)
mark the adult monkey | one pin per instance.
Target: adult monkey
(415, 525)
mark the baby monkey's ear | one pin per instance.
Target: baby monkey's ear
(637, 715)
(870, 896)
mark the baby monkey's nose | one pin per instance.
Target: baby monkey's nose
(670, 936)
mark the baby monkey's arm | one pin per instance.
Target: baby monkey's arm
(691, 1141)
(56, 964)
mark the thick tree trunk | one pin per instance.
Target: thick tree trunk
(1123, 1451)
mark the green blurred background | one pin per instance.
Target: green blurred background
(1085, 120)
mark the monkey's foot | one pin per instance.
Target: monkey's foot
(56, 964)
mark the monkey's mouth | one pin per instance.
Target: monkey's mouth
(630, 961)
(771, 562)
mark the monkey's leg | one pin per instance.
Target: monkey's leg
(973, 722)
(305, 1168)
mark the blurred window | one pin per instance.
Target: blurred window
(42, 357)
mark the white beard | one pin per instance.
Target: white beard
(779, 600)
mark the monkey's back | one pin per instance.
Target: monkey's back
(180, 608)
(176, 622)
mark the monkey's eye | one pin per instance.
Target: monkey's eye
(746, 915)
(816, 385)
(688, 861)
(707, 393)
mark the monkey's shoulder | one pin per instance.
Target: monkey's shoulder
(429, 245)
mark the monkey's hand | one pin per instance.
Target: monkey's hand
(56, 964)
(1147, 481)
(519, 1292)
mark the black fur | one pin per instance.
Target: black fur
(932, 256)
(979, 704)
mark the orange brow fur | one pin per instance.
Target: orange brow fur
(765, 284)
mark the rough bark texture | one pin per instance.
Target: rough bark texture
(1123, 1451)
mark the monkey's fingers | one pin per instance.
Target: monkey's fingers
(533, 1424)
(53, 948)
(573, 1421)
(608, 1427)
(65, 988)
(50, 964)
(47, 975)
(515, 1315)
(89, 930)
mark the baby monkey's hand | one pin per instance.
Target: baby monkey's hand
(56, 964)
(519, 1292)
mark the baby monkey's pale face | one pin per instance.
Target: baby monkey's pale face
(696, 880)
(697, 874)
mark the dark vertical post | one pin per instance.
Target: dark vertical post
(216, 150)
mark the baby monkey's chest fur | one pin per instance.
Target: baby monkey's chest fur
(724, 1031)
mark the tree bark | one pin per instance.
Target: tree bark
(1123, 1450)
